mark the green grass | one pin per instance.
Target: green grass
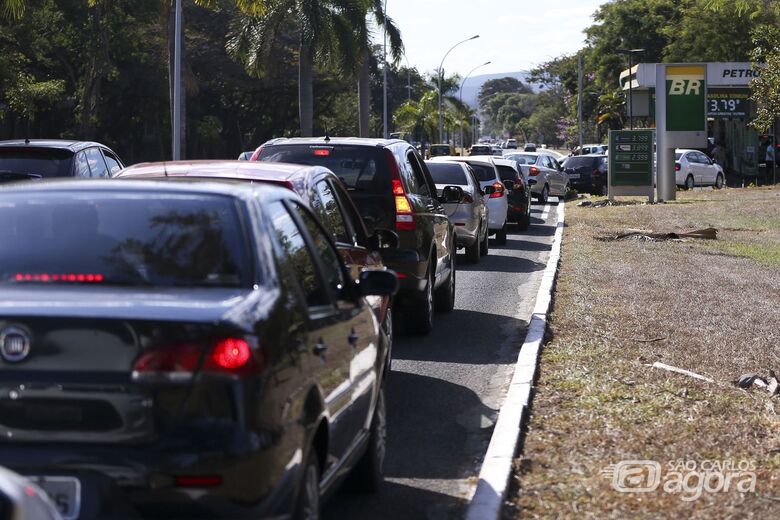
(765, 254)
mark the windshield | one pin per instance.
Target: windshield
(148, 239)
(483, 172)
(46, 162)
(360, 168)
(447, 173)
(523, 159)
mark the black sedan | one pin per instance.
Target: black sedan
(184, 349)
(43, 159)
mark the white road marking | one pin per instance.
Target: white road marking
(545, 212)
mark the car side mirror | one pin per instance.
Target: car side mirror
(451, 194)
(531, 182)
(509, 185)
(383, 239)
(488, 190)
(377, 283)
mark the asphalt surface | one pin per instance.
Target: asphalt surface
(445, 389)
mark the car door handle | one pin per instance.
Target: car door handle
(319, 349)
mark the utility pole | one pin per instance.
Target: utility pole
(384, 70)
(439, 78)
(579, 99)
(177, 84)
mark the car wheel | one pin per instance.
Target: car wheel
(719, 182)
(542, 197)
(369, 472)
(420, 319)
(484, 248)
(445, 295)
(307, 507)
(501, 236)
(689, 184)
(473, 251)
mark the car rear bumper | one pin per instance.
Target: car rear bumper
(411, 269)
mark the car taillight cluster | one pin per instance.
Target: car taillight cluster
(677, 167)
(499, 190)
(232, 356)
(59, 277)
(404, 213)
(533, 171)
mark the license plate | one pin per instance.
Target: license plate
(574, 176)
(64, 492)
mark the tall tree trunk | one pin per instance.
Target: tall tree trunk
(364, 94)
(306, 90)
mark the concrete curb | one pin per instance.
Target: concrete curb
(489, 497)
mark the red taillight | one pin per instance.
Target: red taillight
(227, 355)
(322, 152)
(198, 480)
(596, 171)
(499, 190)
(533, 171)
(404, 213)
(256, 155)
(677, 167)
(59, 277)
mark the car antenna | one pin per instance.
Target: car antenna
(327, 137)
(26, 140)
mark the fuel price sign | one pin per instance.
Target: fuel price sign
(631, 157)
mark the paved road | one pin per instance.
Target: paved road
(445, 389)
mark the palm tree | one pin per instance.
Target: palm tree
(12, 8)
(325, 35)
(363, 36)
(423, 115)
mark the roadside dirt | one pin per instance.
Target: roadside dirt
(708, 306)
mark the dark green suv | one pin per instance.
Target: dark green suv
(392, 189)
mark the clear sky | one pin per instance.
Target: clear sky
(514, 34)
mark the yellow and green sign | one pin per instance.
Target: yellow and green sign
(686, 98)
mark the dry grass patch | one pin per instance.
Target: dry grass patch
(712, 307)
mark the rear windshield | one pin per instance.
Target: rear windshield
(360, 168)
(476, 150)
(447, 173)
(578, 162)
(524, 159)
(149, 239)
(506, 173)
(43, 162)
(440, 150)
(483, 172)
(677, 156)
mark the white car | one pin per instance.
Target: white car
(544, 174)
(693, 168)
(497, 202)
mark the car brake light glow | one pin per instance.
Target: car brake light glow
(198, 480)
(232, 356)
(404, 213)
(677, 167)
(231, 353)
(324, 152)
(533, 171)
(499, 190)
(59, 277)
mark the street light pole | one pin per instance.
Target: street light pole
(176, 123)
(461, 99)
(408, 78)
(384, 69)
(439, 78)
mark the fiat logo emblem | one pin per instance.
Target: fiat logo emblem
(14, 344)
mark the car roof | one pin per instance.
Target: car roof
(236, 189)
(505, 162)
(535, 154)
(224, 169)
(686, 150)
(484, 159)
(335, 141)
(61, 144)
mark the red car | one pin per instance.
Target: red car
(320, 189)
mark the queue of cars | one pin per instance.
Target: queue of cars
(212, 338)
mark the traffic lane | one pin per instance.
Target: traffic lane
(444, 390)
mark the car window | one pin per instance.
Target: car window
(447, 173)
(297, 257)
(506, 173)
(353, 221)
(331, 261)
(483, 172)
(677, 156)
(82, 165)
(327, 209)
(524, 159)
(703, 159)
(421, 186)
(114, 165)
(118, 238)
(46, 162)
(96, 163)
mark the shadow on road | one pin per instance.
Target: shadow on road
(502, 264)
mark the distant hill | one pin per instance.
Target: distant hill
(473, 84)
